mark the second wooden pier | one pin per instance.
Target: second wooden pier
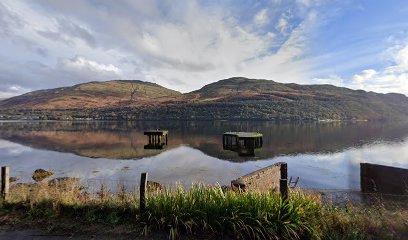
(242, 142)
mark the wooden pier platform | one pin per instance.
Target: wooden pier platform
(244, 143)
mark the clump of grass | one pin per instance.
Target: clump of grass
(252, 215)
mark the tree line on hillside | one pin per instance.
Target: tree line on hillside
(243, 110)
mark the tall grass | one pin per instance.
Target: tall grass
(252, 215)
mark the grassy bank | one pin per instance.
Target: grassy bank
(205, 211)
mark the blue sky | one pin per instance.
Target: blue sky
(184, 45)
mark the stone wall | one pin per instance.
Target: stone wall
(263, 179)
(383, 179)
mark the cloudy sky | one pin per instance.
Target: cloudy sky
(185, 44)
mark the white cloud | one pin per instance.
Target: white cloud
(12, 90)
(332, 80)
(282, 25)
(80, 69)
(181, 45)
(364, 75)
(308, 3)
(261, 18)
(80, 63)
(67, 31)
(400, 58)
(390, 79)
(305, 2)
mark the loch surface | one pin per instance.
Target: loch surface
(323, 155)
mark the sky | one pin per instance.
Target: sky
(186, 44)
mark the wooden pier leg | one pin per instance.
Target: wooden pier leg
(283, 186)
(283, 183)
(5, 182)
(284, 171)
(143, 185)
(166, 139)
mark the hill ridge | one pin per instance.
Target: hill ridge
(233, 98)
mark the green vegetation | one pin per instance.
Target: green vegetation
(244, 134)
(242, 215)
(205, 211)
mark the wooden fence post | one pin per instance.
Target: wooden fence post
(5, 182)
(283, 186)
(143, 185)
(283, 182)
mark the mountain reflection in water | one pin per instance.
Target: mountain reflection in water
(323, 155)
(125, 140)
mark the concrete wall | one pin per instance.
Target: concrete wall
(383, 179)
(262, 179)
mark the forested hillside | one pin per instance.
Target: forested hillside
(234, 98)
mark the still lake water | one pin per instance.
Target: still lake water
(324, 156)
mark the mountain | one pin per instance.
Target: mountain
(92, 95)
(230, 99)
(239, 86)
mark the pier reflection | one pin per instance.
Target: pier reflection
(126, 140)
(158, 139)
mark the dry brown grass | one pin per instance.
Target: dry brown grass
(358, 222)
(67, 192)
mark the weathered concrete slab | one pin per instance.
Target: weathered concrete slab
(263, 179)
(383, 179)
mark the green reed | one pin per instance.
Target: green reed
(253, 215)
